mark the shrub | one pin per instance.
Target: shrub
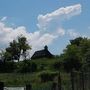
(57, 65)
(42, 67)
(7, 67)
(28, 67)
(47, 76)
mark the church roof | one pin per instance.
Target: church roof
(42, 53)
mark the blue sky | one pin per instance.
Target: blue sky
(24, 16)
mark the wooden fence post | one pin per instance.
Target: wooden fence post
(72, 80)
(83, 84)
(59, 81)
(1, 86)
(54, 86)
(28, 87)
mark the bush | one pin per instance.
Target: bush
(57, 65)
(27, 67)
(7, 67)
(69, 65)
(42, 67)
(47, 76)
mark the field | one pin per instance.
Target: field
(48, 68)
(21, 79)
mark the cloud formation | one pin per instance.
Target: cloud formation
(45, 21)
(4, 18)
(72, 33)
(49, 26)
(36, 40)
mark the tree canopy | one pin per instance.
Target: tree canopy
(76, 53)
(13, 52)
(75, 56)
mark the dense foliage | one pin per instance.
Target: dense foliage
(76, 54)
(15, 49)
(47, 76)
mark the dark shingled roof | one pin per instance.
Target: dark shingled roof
(42, 53)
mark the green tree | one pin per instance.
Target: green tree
(72, 58)
(13, 52)
(23, 45)
(77, 53)
(87, 56)
(76, 41)
(1, 55)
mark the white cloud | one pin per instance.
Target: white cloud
(49, 26)
(72, 33)
(89, 27)
(36, 40)
(44, 21)
(60, 31)
(3, 18)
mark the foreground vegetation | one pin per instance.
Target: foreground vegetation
(76, 56)
(17, 77)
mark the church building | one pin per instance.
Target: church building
(42, 54)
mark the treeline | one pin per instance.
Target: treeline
(20, 67)
(75, 56)
(12, 53)
(15, 49)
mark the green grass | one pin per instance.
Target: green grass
(15, 79)
(48, 63)
(21, 79)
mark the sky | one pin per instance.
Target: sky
(44, 22)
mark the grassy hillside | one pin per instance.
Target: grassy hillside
(45, 67)
(20, 79)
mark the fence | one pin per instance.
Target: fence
(76, 81)
(73, 81)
